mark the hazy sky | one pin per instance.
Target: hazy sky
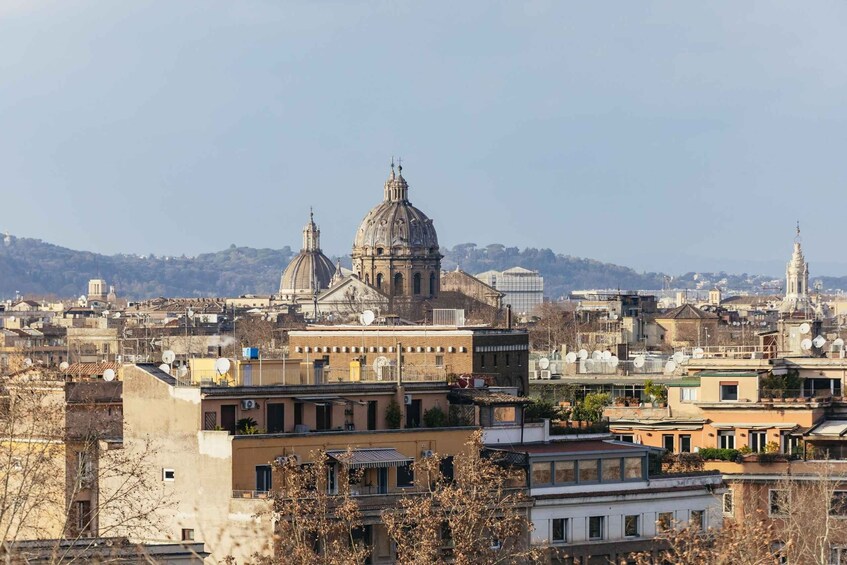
(668, 136)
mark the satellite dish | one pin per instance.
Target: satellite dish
(570, 358)
(614, 361)
(190, 313)
(117, 315)
(380, 362)
(109, 375)
(806, 344)
(678, 357)
(819, 341)
(805, 328)
(614, 316)
(589, 363)
(11, 318)
(838, 342)
(182, 371)
(698, 353)
(63, 366)
(168, 356)
(583, 354)
(544, 363)
(596, 355)
(165, 368)
(222, 366)
(670, 367)
(606, 355)
(639, 361)
(367, 318)
(28, 362)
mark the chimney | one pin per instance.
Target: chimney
(508, 316)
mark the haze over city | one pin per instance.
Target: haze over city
(660, 136)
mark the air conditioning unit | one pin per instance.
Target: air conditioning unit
(249, 404)
(427, 453)
(407, 399)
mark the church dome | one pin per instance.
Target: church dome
(395, 223)
(310, 270)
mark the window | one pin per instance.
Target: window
(507, 359)
(559, 530)
(688, 393)
(495, 359)
(432, 284)
(728, 503)
(611, 470)
(398, 284)
(541, 473)
(416, 283)
(505, 415)
(778, 500)
(482, 360)
(757, 440)
(187, 534)
(596, 527)
(633, 468)
(168, 475)
(685, 444)
(838, 507)
(629, 438)
(263, 478)
(439, 360)
(85, 469)
(697, 519)
(405, 476)
(667, 442)
(729, 392)
(631, 526)
(565, 472)
(664, 521)
(588, 471)
(210, 420)
(83, 516)
(726, 439)
(323, 417)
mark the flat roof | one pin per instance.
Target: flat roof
(565, 447)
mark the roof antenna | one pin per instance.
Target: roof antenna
(400, 165)
(797, 237)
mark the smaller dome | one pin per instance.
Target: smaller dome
(310, 270)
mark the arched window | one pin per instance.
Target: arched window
(367, 279)
(432, 284)
(416, 283)
(379, 280)
(398, 284)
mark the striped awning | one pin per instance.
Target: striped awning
(370, 458)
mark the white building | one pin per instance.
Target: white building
(522, 288)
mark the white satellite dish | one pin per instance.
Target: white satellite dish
(11, 318)
(116, 315)
(380, 362)
(838, 342)
(222, 366)
(639, 361)
(583, 354)
(168, 356)
(805, 328)
(678, 357)
(670, 367)
(606, 355)
(614, 361)
(589, 363)
(106, 313)
(596, 355)
(614, 316)
(63, 366)
(806, 344)
(28, 362)
(109, 375)
(570, 358)
(819, 341)
(698, 353)
(544, 363)
(165, 368)
(367, 318)
(182, 371)
(190, 313)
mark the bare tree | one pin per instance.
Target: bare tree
(478, 516)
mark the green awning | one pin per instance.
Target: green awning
(685, 381)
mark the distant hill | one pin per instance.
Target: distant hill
(34, 267)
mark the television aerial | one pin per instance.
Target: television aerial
(670, 367)
(805, 328)
(367, 317)
(222, 366)
(806, 344)
(544, 363)
(109, 375)
(698, 353)
(639, 361)
(168, 356)
(63, 366)
(570, 358)
(583, 354)
(819, 341)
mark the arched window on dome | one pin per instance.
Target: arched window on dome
(379, 250)
(432, 284)
(398, 284)
(379, 281)
(416, 283)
